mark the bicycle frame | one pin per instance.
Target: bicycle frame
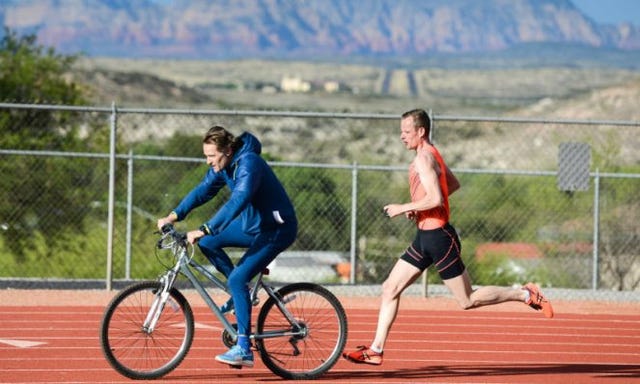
(185, 265)
(131, 347)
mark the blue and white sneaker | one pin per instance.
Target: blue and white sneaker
(237, 356)
(227, 307)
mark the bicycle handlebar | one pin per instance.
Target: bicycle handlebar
(169, 230)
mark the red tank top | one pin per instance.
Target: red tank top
(435, 217)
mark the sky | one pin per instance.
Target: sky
(611, 11)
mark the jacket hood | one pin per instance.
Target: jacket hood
(250, 143)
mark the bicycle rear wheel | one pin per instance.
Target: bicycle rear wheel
(135, 352)
(323, 324)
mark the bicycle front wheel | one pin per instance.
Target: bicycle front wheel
(136, 352)
(320, 327)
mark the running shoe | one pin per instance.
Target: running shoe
(237, 356)
(364, 355)
(537, 300)
(227, 307)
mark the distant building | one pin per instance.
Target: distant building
(269, 89)
(331, 86)
(294, 84)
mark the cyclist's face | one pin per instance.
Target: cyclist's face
(216, 158)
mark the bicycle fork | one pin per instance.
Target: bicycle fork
(159, 302)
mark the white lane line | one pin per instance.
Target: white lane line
(197, 325)
(207, 326)
(21, 343)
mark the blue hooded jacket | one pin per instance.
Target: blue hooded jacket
(256, 193)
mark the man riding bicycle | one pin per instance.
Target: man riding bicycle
(258, 216)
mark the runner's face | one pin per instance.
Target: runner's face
(410, 136)
(215, 158)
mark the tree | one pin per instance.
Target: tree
(43, 195)
(34, 73)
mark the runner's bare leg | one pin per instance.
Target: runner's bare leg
(401, 276)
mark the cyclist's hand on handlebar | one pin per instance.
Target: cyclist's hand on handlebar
(193, 236)
(169, 219)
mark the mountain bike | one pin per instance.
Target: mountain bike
(148, 327)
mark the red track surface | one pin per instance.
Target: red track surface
(430, 343)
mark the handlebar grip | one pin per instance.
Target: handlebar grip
(166, 228)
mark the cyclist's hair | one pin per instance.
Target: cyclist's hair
(420, 119)
(222, 138)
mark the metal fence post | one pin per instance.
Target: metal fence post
(127, 273)
(112, 187)
(596, 229)
(433, 125)
(354, 215)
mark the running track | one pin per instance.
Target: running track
(430, 343)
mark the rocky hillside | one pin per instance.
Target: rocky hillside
(305, 29)
(575, 95)
(520, 146)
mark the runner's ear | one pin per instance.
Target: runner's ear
(422, 132)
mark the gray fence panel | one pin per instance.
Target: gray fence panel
(340, 169)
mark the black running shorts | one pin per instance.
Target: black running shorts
(440, 247)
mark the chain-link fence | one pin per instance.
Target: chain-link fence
(554, 201)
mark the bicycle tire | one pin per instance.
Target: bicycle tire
(309, 356)
(135, 353)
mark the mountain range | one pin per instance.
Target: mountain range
(304, 29)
